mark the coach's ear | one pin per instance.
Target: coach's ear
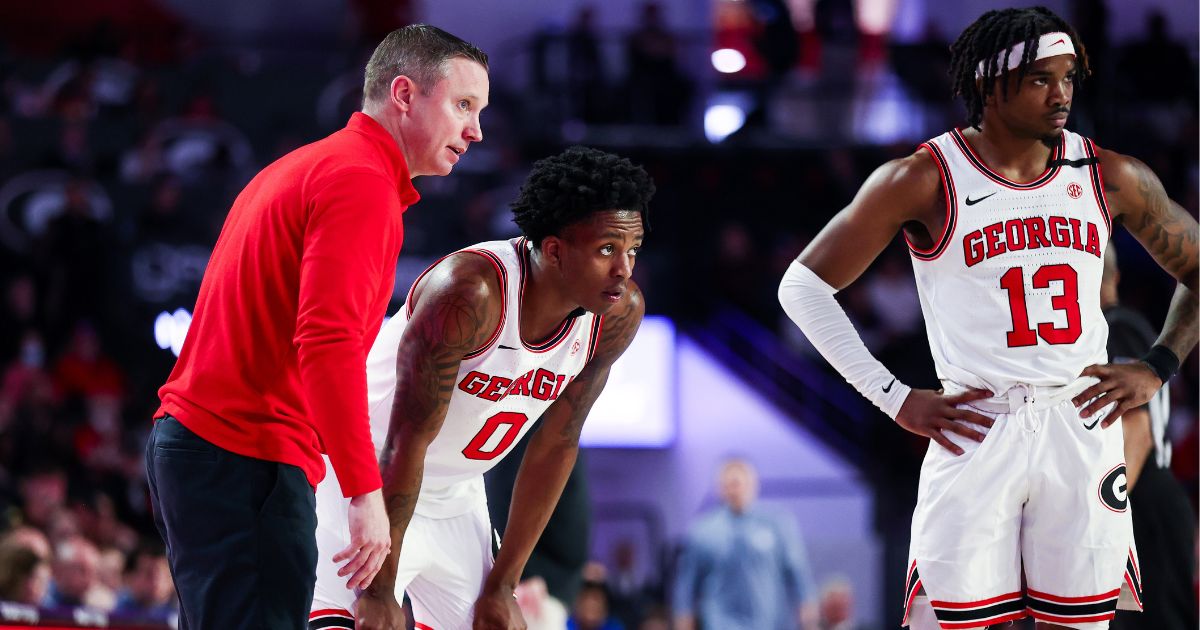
(402, 91)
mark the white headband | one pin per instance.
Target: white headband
(1049, 45)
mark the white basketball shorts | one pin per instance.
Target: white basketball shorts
(443, 563)
(1033, 521)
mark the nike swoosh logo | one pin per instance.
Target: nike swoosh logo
(1091, 426)
(889, 386)
(1060, 41)
(971, 202)
(504, 347)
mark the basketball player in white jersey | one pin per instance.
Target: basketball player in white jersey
(491, 338)
(1021, 508)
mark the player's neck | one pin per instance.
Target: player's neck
(545, 303)
(1019, 158)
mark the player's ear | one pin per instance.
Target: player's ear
(552, 249)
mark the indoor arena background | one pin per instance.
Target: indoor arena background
(128, 126)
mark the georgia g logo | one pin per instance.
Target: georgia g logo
(1114, 489)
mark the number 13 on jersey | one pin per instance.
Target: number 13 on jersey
(1066, 300)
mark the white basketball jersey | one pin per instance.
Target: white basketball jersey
(1011, 290)
(500, 391)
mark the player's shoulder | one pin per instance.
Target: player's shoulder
(904, 185)
(621, 323)
(1128, 182)
(634, 301)
(466, 276)
(631, 308)
(916, 170)
(1120, 169)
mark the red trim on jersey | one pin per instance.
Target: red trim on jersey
(1041, 616)
(1074, 600)
(975, 604)
(1137, 571)
(958, 625)
(420, 626)
(330, 612)
(563, 329)
(597, 328)
(951, 220)
(1046, 177)
(1098, 183)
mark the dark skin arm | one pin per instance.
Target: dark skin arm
(902, 194)
(1138, 202)
(1135, 425)
(547, 464)
(457, 308)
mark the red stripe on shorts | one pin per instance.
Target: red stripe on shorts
(1075, 600)
(982, 602)
(1041, 616)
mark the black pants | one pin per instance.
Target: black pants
(240, 532)
(1164, 527)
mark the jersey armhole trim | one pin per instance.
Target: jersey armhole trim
(597, 328)
(1097, 173)
(951, 219)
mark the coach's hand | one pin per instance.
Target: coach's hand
(370, 540)
(378, 611)
(1130, 385)
(929, 413)
(496, 609)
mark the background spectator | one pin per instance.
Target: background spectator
(741, 566)
(75, 574)
(24, 574)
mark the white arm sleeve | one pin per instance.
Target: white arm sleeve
(809, 301)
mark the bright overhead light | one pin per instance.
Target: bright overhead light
(722, 120)
(170, 329)
(728, 60)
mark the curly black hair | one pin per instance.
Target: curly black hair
(570, 186)
(994, 33)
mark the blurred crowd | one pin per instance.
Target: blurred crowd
(122, 146)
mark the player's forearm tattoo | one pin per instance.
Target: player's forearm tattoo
(577, 401)
(1170, 239)
(1170, 235)
(400, 504)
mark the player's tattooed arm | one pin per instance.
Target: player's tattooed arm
(457, 308)
(552, 450)
(1138, 201)
(1167, 232)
